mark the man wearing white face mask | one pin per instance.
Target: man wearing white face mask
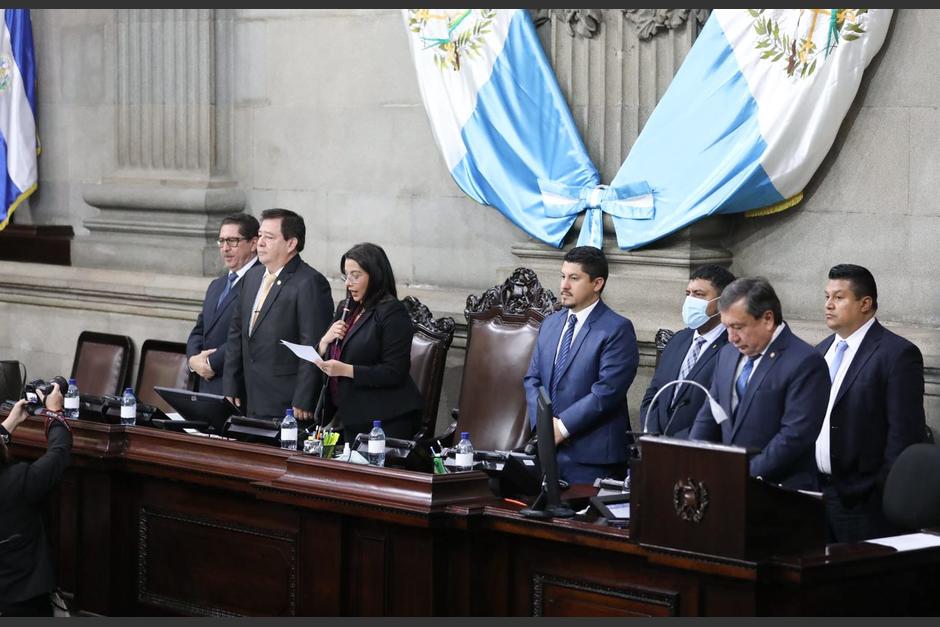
(690, 354)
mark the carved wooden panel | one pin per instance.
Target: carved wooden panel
(556, 596)
(197, 566)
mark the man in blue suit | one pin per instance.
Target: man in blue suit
(586, 357)
(876, 406)
(772, 386)
(690, 354)
(238, 240)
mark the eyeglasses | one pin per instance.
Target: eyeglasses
(352, 277)
(231, 241)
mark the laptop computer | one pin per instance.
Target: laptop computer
(199, 406)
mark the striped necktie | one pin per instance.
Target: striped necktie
(562, 358)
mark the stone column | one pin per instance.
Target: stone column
(161, 208)
(613, 66)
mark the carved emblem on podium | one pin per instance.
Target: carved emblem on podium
(690, 499)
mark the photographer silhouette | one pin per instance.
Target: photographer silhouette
(26, 566)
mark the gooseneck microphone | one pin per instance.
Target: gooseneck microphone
(717, 411)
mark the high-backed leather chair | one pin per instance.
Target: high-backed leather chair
(502, 327)
(662, 338)
(429, 347)
(164, 364)
(102, 363)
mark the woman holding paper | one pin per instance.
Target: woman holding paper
(367, 351)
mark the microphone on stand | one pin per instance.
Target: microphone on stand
(318, 410)
(717, 411)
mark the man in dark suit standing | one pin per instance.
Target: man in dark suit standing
(586, 356)
(876, 406)
(282, 299)
(238, 239)
(690, 354)
(771, 385)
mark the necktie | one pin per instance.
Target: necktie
(837, 359)
(228, 288)
(741, 384)
(562, 358)
(689, 362)
(265, 288)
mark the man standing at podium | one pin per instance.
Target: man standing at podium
(876, 406)
(771, 385)
(586, 356)
(205, 348)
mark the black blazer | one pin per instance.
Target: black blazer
(690, 398)
(878, 411)
(378, 346)
(26, 566)
(259, 367)
(211, 331)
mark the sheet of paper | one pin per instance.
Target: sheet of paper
(304, 352)
(909, 542)
(175, 416)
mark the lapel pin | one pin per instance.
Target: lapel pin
(278, 281)
(772, 355)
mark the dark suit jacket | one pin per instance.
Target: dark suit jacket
(379, 348)
(592, 393)
(781, 413)
(211, 331)
(26, 567)
(690, 398)
(878, 412)
(259, 367)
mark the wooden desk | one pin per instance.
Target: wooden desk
(150, 522)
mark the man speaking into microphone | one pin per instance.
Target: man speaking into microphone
(690, 355)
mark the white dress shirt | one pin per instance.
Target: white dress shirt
(823, 461)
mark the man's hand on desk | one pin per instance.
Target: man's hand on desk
(302, 414)
(234, 400)
(200, 364)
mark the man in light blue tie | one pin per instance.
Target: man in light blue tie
(771, 384)
(876, 406)
(238, 240)
(587, 355)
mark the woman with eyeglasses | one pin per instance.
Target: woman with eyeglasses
(367, 351)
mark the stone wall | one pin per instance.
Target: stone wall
(319, 111)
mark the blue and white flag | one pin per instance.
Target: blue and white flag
(499, 117)
(18, 143)
(750, 115)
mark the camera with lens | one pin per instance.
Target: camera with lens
(33, 389)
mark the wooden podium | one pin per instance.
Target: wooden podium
(699, 497)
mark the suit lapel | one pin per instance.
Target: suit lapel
(865, 350)
(209, 310)
(767, 362)
(279, 282)
(709, 353)
(226, 303)
(582, 334)
(355, 328)
(552, 327)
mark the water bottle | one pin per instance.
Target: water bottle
(289, 430)
(377, 444)
(72, 400)
(464, 455)
(128, 407)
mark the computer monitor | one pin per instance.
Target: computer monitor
(548, 504)
(199, 406)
